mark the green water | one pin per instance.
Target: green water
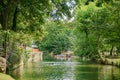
(68, 71)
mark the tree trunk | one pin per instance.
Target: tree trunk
(111, 50)
(4, 22)
(14, 26)
(5, 43)
(2, 5)
(102, 58)
(98, 43)
(86, 33)
(6, 14)
(14, 20)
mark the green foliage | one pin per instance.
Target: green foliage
(97, 28)
(85, 41)
(87, 48)
(56, 39)
(21, 23)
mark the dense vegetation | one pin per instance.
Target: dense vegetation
(97, 29)
(21, 23)
(90, 28)
(56, 39)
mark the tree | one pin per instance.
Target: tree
(101, 25)
(85, 39)
(56, 39)
(31, 14)
(20, 21)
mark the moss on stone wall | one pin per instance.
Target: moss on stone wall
(5, 77)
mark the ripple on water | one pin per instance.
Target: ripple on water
(69, 71)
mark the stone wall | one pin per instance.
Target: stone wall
(3, 65)
(35, 57)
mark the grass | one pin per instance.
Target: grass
(5, 77)
(115, 62)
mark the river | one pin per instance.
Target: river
(68, 71)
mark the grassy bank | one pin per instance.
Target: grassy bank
(115, 62)
(5, 77)
(105, 61)
(110, 61)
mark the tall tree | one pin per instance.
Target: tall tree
(56, 39)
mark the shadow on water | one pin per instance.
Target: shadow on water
(68, 71)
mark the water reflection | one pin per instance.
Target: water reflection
(68, 71)
(97, 72)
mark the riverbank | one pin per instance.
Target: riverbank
(109, 61)
(115, 62)
(5, 77)
(105, 61)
